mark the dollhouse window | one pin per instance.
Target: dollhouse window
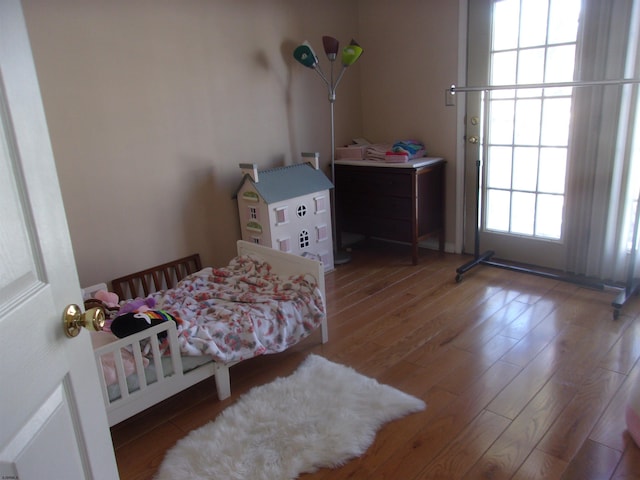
(256, 240)
(253, 213)
(303, 239)
(321, 204)
(325, 258)
(301, 210)
(284, 244)
(281, 215)
(322, 233)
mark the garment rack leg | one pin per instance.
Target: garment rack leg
(633, 284)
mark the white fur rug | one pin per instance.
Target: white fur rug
(321, 416)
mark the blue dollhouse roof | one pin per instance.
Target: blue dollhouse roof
(282, 183)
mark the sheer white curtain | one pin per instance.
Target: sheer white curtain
(605, 183)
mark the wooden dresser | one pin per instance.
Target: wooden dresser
(402, 202)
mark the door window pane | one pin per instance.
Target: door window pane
(498, 210)
(525, 169)
(499, 169)
(504, 68)
(531, 70)
(522, 212)
(549, 216)
(505, 29)
(527, 127)
(501, 118)
(556, 115)
(503, 72)
(533, 28)
(553, 168)
(560, 62)
(563, 21)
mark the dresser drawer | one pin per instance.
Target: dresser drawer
(375, 226)
(367, 182)
(356, 203)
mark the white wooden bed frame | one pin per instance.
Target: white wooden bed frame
(166, 385)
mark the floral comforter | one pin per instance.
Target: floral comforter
(242, 310)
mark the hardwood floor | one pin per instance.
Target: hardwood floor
(524, 377)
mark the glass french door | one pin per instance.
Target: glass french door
(519, 131)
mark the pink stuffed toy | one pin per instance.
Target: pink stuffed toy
(110, 299)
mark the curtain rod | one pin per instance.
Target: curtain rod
(453, 89)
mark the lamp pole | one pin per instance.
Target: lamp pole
(307, 57)
(340, 257)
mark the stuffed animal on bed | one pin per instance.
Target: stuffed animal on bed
(134, 322)
(110, 299)
(137, 305)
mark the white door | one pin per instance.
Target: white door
(521, 135)
(53, 421)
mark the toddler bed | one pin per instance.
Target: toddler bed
(269, 301)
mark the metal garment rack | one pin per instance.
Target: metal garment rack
(632, 285)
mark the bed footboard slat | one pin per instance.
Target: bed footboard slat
(176, 358)
(137, 355)
(157, 359)
(120, 374)
(103, 382)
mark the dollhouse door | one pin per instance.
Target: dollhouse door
(54, 422)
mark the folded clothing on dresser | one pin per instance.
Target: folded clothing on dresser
(377, 151)
(398, 152)
(405, 150)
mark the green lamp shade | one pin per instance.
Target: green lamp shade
(305, 55)
(350, 54)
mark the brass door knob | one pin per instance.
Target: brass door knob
(73, 319)
(474, 139)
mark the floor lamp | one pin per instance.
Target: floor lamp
(307, 57)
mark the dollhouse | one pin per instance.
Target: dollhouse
(288, 209)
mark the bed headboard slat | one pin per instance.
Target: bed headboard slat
(166, 275)
(144, 282)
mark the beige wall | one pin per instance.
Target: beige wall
(153, 104)
(412, 57)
